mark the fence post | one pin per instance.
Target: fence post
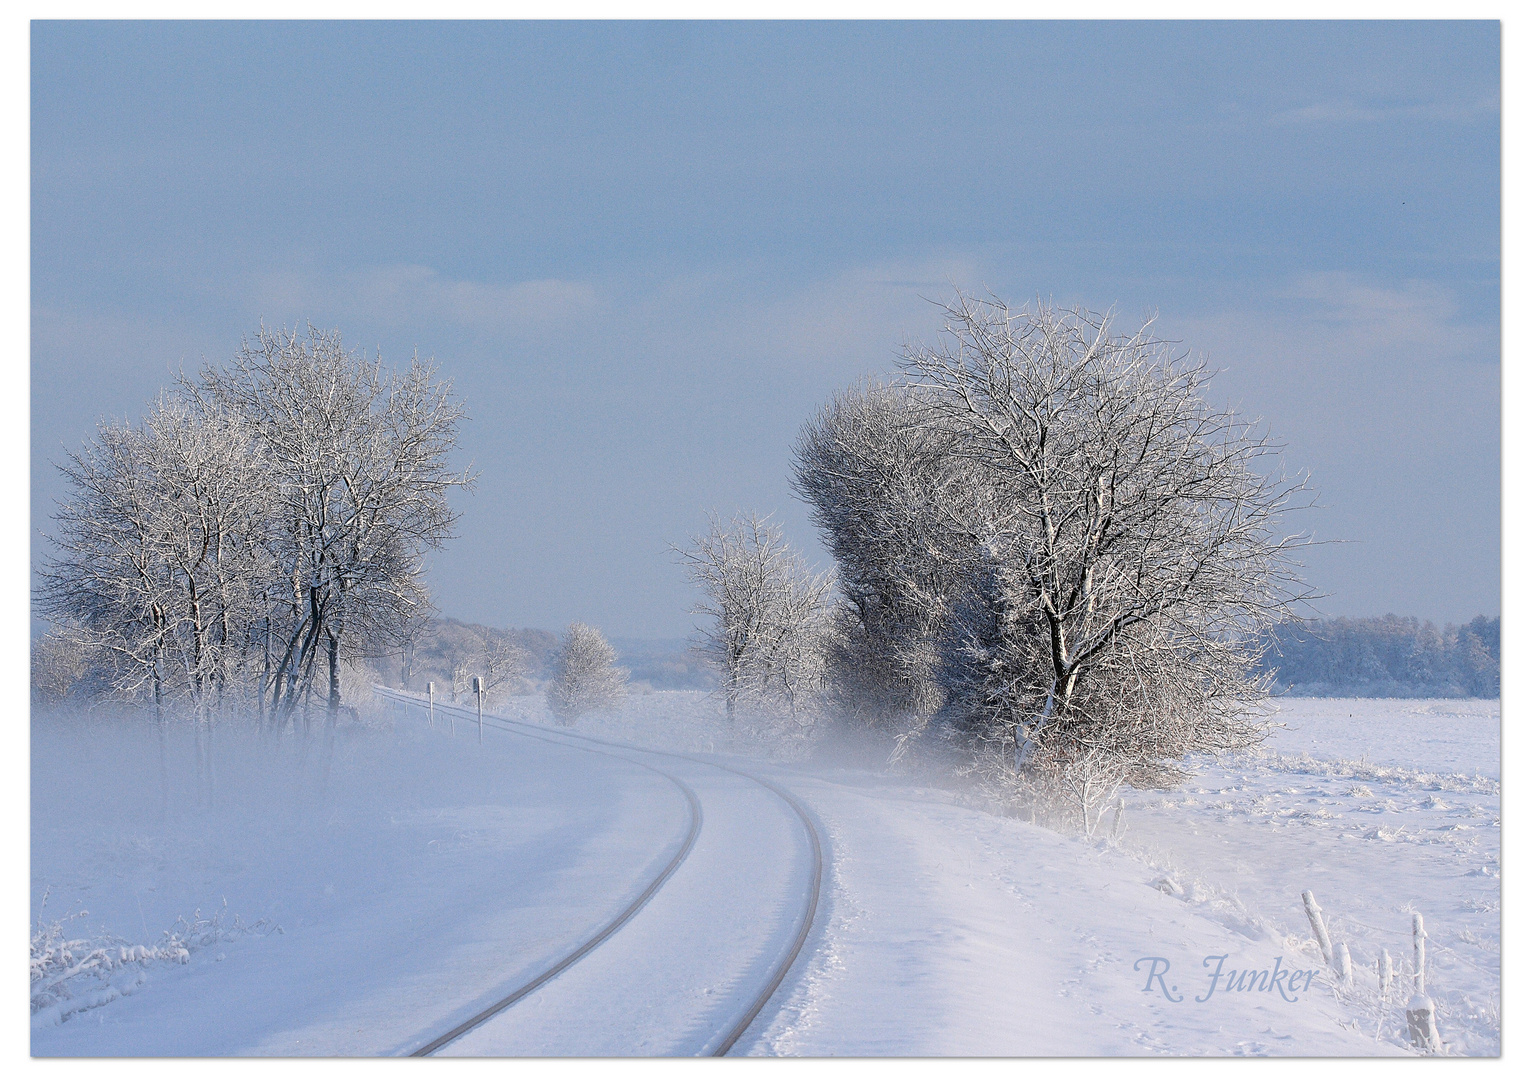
(1386, 978)
(1343, 965)
(1418, 939)
(1318, 925)
(429, 688)
(477, 689)
(1420, 1013)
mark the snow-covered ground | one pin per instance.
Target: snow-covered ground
(381, 905)
(420, 879)
(1380, 808)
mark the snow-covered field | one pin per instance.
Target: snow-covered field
(420, 878)
(1381, 808)
(375, 902)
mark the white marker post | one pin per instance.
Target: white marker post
(429, 688)
(477, 689)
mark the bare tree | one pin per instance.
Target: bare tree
(461, 677)
(61, 666)
(160, 549)
(261, 518)
(450, 653)
(584, 675)
(767, 612)
(1131, 525)
(1085, 551)
(503, 665)
(498, 662)
(359, 465)
(408, 644)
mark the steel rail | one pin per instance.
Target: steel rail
(808, 918)
(696, 819)
(803, 929)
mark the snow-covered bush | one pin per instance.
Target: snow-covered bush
(875, 465)
(71, 974)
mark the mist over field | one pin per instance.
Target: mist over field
(296, 880)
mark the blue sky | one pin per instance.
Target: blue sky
(645, 252)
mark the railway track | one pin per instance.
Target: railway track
(729, 1035)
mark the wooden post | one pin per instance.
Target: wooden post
(1418, 938)
(1420, 1013)
(1386, 979)
(1318, 925)
(477, 689)
(429, 688)
(1343, 966)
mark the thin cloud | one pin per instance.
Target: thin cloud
(1419, 316)
(403, 295)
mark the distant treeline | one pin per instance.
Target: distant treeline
(449, 652)
(1391, 656)
(664, 663)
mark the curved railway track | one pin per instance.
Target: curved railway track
(782, 966)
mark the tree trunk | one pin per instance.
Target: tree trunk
(164, 765)
(333, 643)
(211, 762)
(265, 679)
(1024, 736)
(331, 721)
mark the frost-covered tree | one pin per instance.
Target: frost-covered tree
(1090, 548)
(881, 475)
(161, 552)
(584, 676)
(262, 519)
(360, 472)
(61, 666)
(1130, 535)
(108, 582)
(766, 612)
